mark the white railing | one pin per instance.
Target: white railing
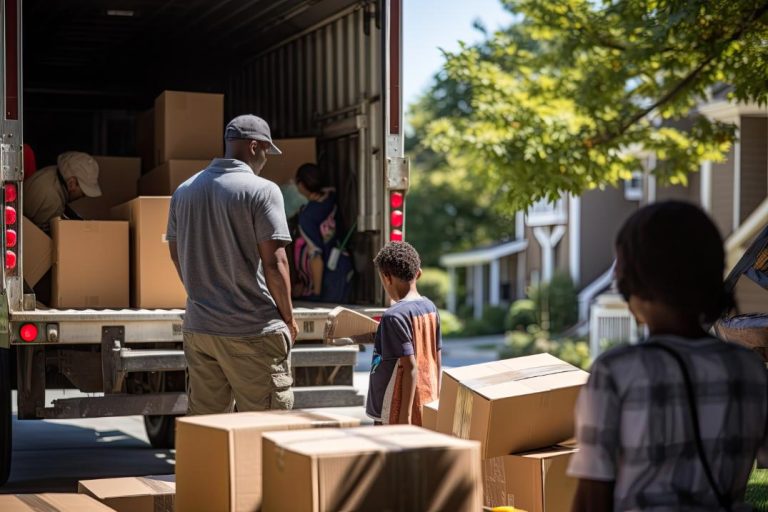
(610, 322)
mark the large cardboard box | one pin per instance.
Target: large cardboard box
(282, 168)
(165, 179)
(513, 405)
(218, 457)
(429, 415)
(37, 252)
(534, 481)
(400, 467)
(90, 264)
(145, 139)
(118, 178)
(155, 284)
(50, 502)
(133, 494)
(188, 125)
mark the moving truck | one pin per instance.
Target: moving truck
(77, 75)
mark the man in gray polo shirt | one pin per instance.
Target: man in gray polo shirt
(227, 234)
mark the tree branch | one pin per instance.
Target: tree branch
(687, 80)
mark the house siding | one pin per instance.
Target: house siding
(602, 214)
(754, 164)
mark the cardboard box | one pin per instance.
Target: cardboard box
(118, 178)
(429, 415)
(188, 125)
(133, 494)
(37, 252)
(218, 457)
(400, 467)
(50, 502)
(145, 139)
(344, 326)
(155, 284)
(535, 481)
(296, 152)
(90, 264)
(165, 179)
(513, 405)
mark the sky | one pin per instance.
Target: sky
(430, 25)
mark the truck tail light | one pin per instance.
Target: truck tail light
(11, 196)
(10, 216)
(11, 192)
(28, 332)
(396, 216)
(10, 260)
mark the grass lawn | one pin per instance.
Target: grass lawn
(757, 489)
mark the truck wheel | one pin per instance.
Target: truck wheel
(161, 431)
(5, 415)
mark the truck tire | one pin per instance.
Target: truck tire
(161, 431)
(5, 415)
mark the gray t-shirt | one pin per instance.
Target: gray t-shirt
(217, 218)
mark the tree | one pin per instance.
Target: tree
(553, 104)
(449, 208)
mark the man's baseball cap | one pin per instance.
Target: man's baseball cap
(251, 127)
(83, 167)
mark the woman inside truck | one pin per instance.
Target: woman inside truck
(323, 265)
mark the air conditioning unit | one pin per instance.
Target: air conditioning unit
(610, 323)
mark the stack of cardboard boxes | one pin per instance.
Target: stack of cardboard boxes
(301, 460)
(521, 411)
(118, 258)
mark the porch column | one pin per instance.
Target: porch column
(495, 283)
(451, 299)
(479, 292)
(468, 284)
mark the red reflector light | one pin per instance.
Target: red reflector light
(396, 199)
(10, 238)
(10, 192)
(396, 219)
(10, 215)
(377, 318)
(10, 260)
(396, 235)
(28, 332)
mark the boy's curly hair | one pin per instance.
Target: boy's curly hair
(398, 259)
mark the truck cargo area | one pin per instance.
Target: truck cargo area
(312, 69)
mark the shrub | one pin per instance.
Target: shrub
(557, 302)
(450, 325)
(434, 283)
(519, 343)
(522, 314)
(494, 318)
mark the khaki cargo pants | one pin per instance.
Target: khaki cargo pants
(254, 371)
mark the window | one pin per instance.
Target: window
(633, 187)
(547, 213)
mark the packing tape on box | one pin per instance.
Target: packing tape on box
(163, 502)
(36, 503)
(462, 414)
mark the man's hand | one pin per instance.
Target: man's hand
(293, 328)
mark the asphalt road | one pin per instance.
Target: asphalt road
(52, 455)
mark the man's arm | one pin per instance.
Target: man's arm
(278, 277)
(174, 250)
(410, 375)
(593, 496)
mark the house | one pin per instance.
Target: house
(576, 234)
